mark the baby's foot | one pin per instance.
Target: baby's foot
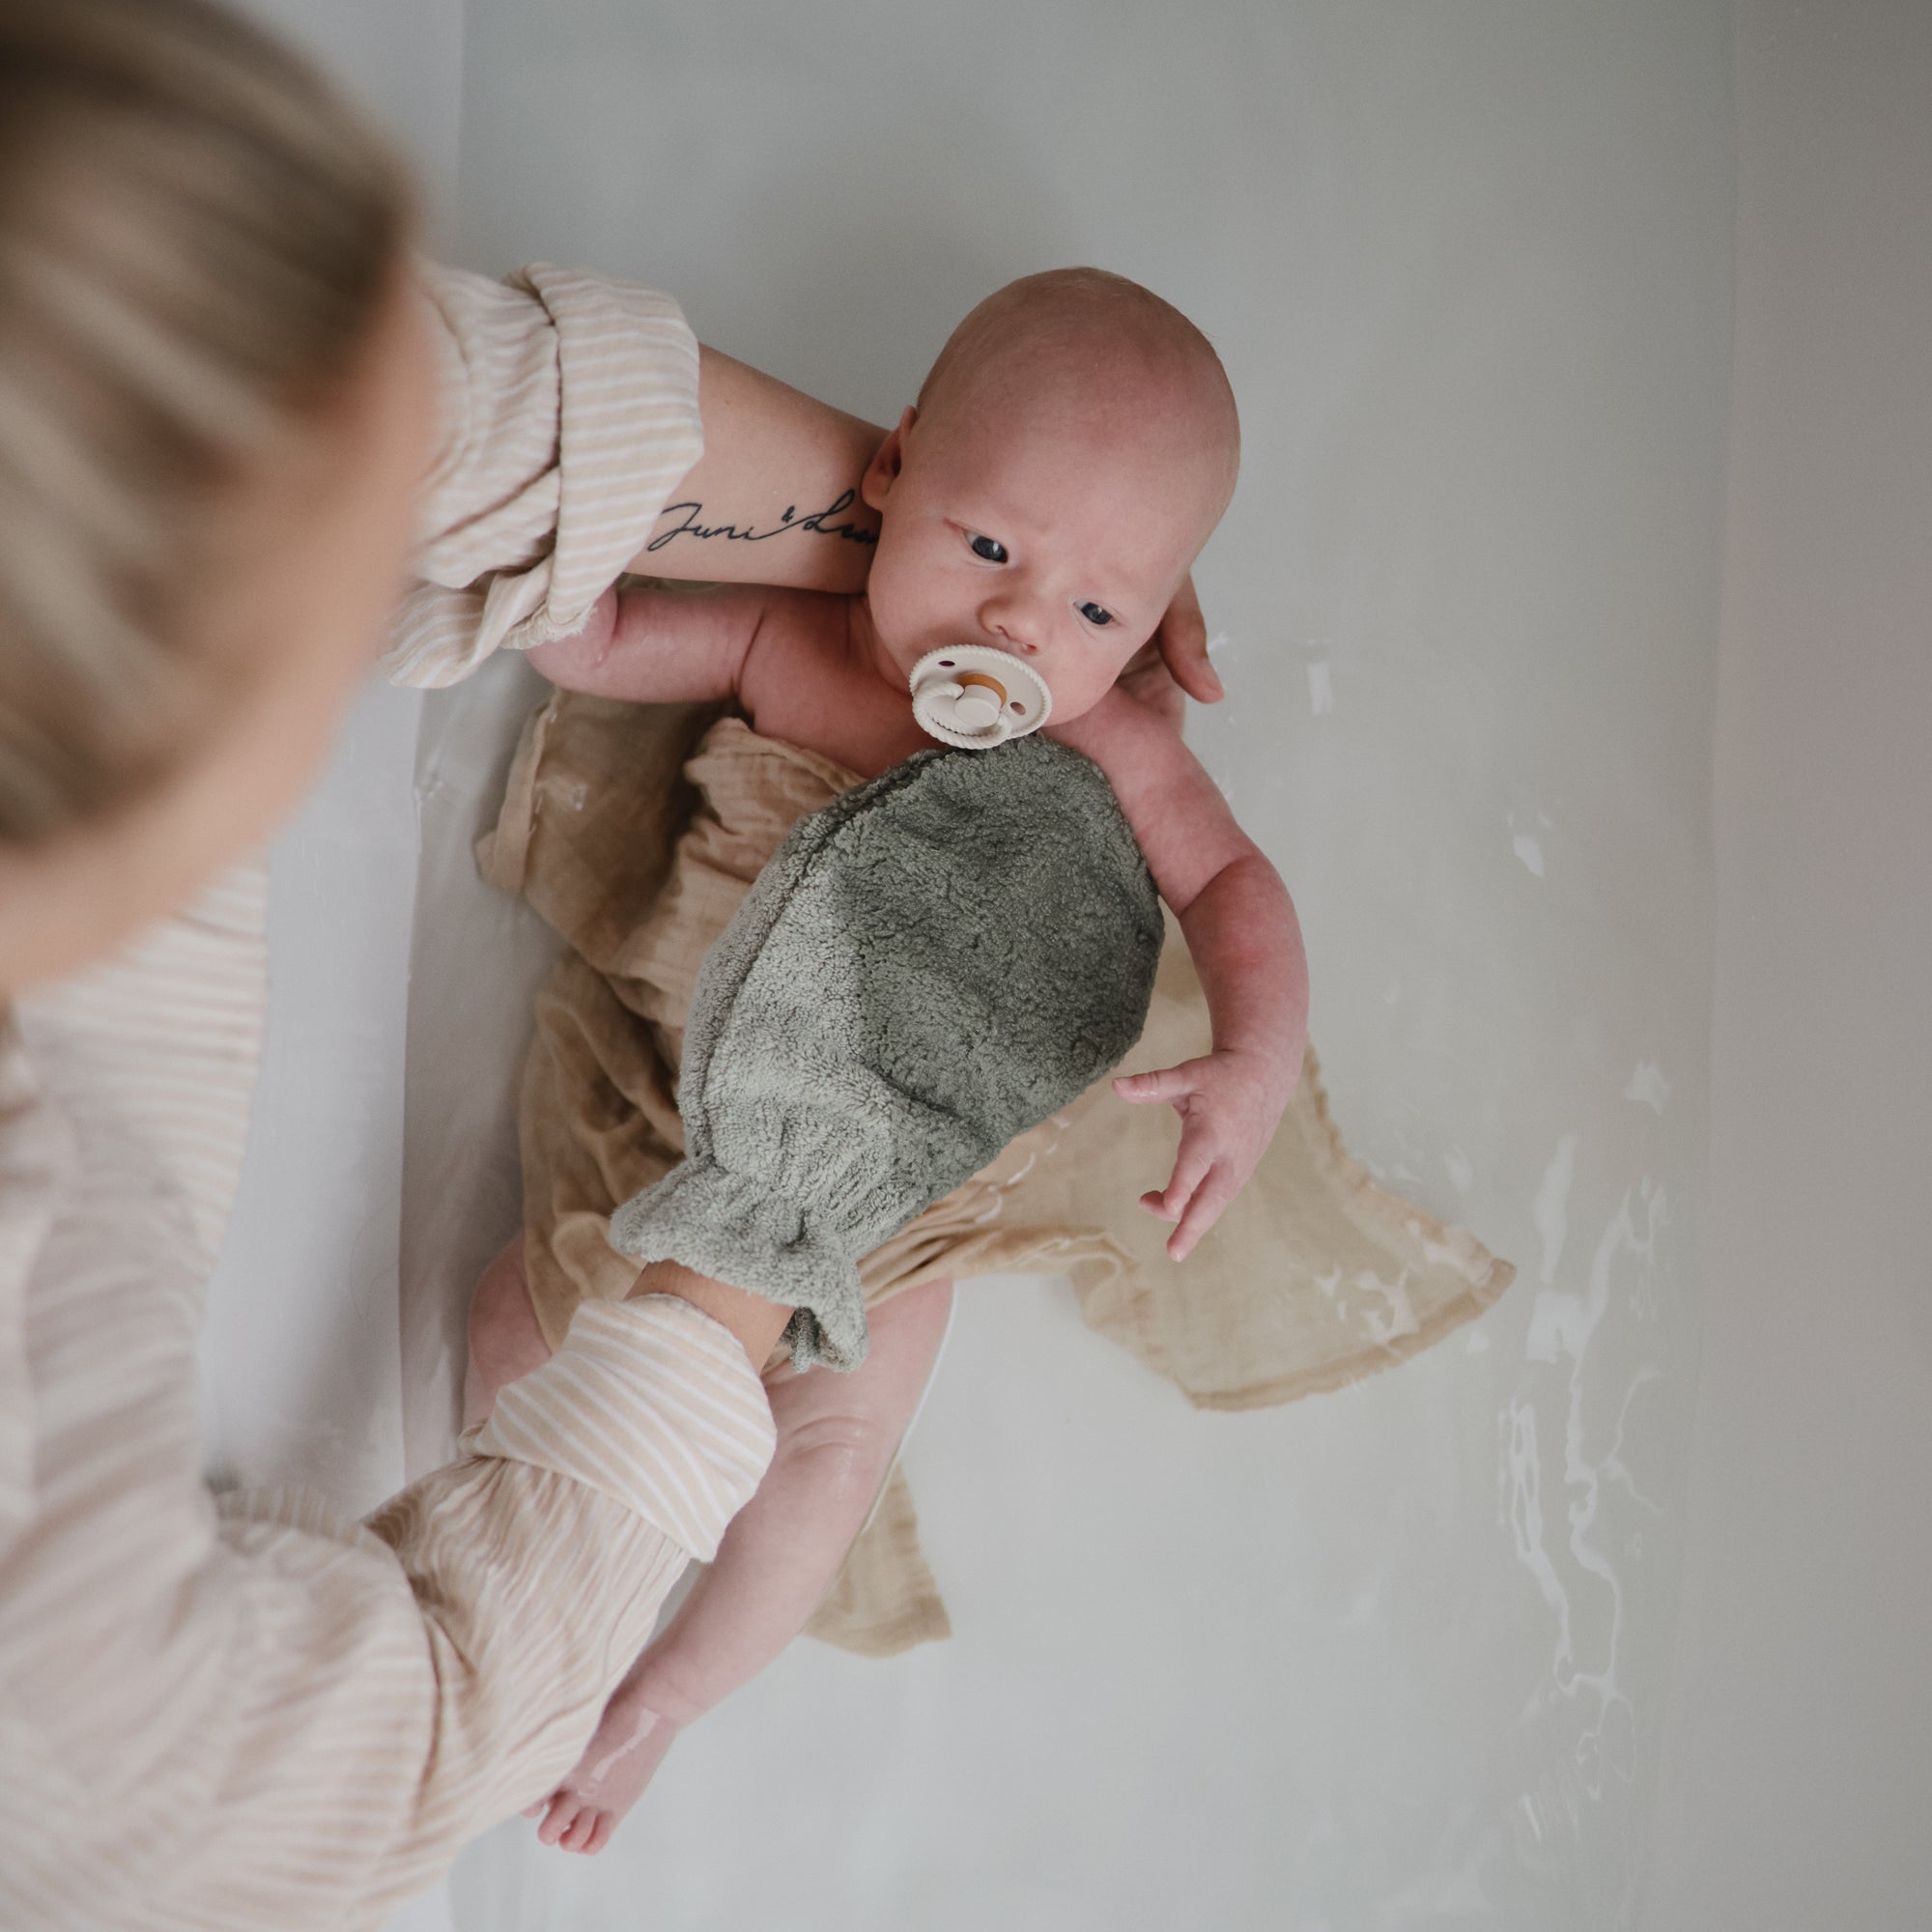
(608, 1779)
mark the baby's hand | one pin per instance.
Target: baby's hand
(1230, 1104)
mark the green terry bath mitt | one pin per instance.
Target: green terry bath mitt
(928, 967)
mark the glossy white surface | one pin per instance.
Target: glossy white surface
(1391, 1658)
(1798, 1769)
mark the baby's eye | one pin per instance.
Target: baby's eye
(1095, 614)
(989, 547)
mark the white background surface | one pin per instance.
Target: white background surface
(1798, 1773)
(1396, 1657)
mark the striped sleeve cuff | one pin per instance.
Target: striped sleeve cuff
(653, 1405)
(628, 429)
(36, 1152)
(571, 416)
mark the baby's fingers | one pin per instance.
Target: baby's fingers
(1203, 1210)
(1191, 1161)
(1171, 1083)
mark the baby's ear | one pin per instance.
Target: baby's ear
(883, 471)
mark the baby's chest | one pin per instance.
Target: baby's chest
(809, 693)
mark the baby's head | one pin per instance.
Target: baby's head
(1070, 454)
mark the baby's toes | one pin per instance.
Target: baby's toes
(559, 1818)
(589, 1831)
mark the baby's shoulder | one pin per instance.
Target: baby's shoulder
(1186, 830)
(801, 633)
(803, 677)
(1131, 742)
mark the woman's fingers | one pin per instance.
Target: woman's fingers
(1149, 682)
(1182, 638)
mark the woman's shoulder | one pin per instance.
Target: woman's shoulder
(36, 1159)
(152, 1055)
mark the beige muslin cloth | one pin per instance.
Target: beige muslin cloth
(635, 831)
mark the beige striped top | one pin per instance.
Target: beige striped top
(263, 1713)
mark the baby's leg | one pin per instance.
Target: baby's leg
(505, 1341)
(838, 1434)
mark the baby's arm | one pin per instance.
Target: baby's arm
(1240, 926)
(661, 646)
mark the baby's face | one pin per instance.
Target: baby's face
(1048, 535)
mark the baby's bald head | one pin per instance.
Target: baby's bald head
(1093, 353)
(1071, 451)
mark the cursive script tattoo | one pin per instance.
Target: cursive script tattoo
(818, 521)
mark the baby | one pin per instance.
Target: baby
(1069, 455)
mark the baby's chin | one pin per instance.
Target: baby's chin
(893, 660)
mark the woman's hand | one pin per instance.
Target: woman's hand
(1181, 640)
(1173, 666)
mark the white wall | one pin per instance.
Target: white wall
(403, 60)
(1796, 1780)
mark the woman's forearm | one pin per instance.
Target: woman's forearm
(775, 497)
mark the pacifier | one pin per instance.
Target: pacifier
(975, 696)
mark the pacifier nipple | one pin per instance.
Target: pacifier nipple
(975, 696)
(981, 700)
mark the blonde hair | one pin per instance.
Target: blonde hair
(196, 238)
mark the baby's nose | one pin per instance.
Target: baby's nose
(1016, 627)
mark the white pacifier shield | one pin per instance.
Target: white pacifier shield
(975, 696)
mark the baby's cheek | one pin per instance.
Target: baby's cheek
(1099, 674)
(893, 589)
(1076, 690)
(911, 620)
